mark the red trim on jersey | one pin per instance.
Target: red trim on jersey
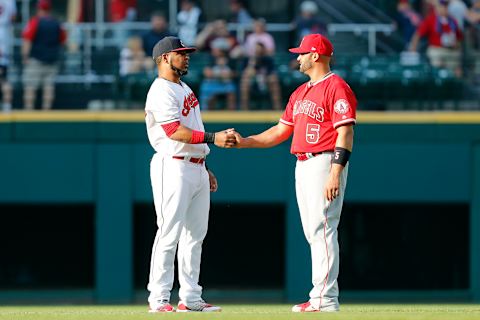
(170, 128)
(197, 137)
(31, 29)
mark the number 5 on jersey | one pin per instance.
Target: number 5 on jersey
(313, 133)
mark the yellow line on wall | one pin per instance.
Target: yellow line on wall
(419, 117)
(238, 117)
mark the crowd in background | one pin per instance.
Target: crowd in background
(448, 26)
(42, 39)
(235, 68)
(238, 66)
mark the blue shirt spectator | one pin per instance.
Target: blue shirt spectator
(408, 20)
(158, 31)
(308, 22)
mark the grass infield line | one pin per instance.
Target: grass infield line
(242, 311)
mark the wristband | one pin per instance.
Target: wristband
(341, 156)
(209, 137)
(197, 137)
(202, 137)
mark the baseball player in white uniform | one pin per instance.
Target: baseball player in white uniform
(8, 11)
(320, 114)
(180, 181)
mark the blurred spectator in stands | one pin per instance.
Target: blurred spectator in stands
(259, 71)
(158, 31)
(43, 38)
(188, 19)
(474, 19)
(407, 19)
(444, 38)
(74, 16)
(240, 14)
(308, 22)
(259, 35)
(133, 58)
(8, 11)
(218, 80)
(428, 7)
(459, 11)
(121, 12)
(216, 39)
(474, 12)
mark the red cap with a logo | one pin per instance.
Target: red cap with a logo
(314, 43)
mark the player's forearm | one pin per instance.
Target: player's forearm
(345, 138)
(182, 134)
(257, 142)
(266, 139)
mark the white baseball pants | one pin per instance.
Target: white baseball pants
(320, 220)
(181, 192)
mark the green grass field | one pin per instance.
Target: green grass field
(231, 312)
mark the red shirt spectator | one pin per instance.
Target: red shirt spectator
(119, 9)
(441, 31)
(45, 35)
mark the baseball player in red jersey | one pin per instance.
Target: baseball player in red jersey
(321, 115)
(181, 183)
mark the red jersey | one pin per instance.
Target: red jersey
(315, 110)
(441, 31)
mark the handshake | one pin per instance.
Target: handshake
(228, 139)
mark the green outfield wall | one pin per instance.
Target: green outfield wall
(103, 159)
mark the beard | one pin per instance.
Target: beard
(178, 71)
(305, 66)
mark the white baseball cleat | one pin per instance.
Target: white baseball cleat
(199, 306)
(161, 307)
(307, 307)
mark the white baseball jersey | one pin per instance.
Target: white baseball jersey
(8, 9)
(181, 192)
(168, 102)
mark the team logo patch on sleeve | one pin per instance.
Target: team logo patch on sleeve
(341, 106)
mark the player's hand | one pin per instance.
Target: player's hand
(239, 140)
(332, 187)
(225, 139)
(213, 181)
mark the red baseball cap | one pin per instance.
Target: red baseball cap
(314, 43)
(44, 4)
